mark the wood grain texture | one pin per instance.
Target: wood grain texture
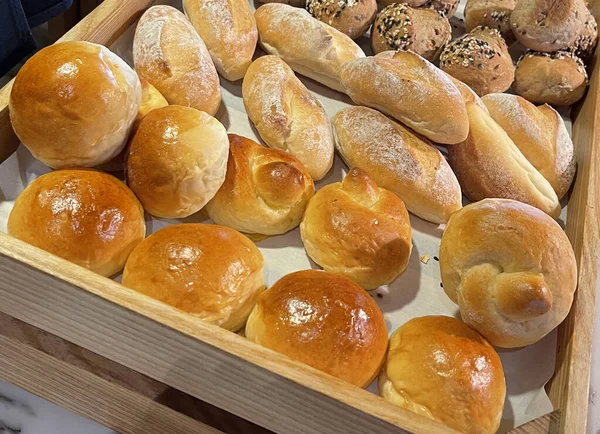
(548, 424)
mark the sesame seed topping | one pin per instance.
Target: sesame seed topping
(395, 26)
(465, 49)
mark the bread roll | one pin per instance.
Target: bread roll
(494, 14)
(446, 7)
(265, 191)
(286, 115)
(556, 78)
(177, 161)
(586, 42)
(400, 27)
(413, 91)
(441, 369)
(73, 103)
(351, 17)
(311, 47)
(548, 25)
(84, 216)
(358, 230)
(228, 29)
(296, 3)
(211, 272)
(540, 134)
(411, 3)
(481, 60)
(168, 52)
(511, 270)
(399, 161)
(323, 320)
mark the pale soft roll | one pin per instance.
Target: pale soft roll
(442, 369)
(358, 230)
(265, 191)
(511, 270)
(211, 272)
(399, 161)
(73, 104)
(286, 115)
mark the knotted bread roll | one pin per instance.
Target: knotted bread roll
(511, 270)
(358, 230)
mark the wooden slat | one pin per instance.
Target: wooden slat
(548, 424)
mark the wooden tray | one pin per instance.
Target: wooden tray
(136, 365)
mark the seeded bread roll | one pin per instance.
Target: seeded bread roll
(445, 7)
(351, 17)
(481, 60)
(588, 38)
(558, 78)
(400, 27)
(494, 14)
(411, 3)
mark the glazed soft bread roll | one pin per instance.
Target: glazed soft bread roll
(489, 165)
(309, 46)
(177, 160)
(84, 216)
(399, 161)
(265, 190)
(228, 29)
(168, 52)
(211, 272)
(511, 270)
(540, 134)
(347, 337)
(412, 90)
(373, 245)
(351, 17)
(73, 104)
(442, 369)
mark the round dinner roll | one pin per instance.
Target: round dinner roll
(442, 369)
(358, 230)
(445, 7)
(323, 320)
(494, 14)
(265, 190)
(511, 270)
(177, 160)
(586, 42)
(84, 216)
(211, 272)
(73, 104)
(351, 17)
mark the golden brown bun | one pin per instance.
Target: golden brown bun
(556, 78)
(84, 216)
(494, 14)
(309, 46)
(441, 369)
(168, 52)
(446, 7)
(412, 90)
(351, 17)
(548, 25)
(286, 115)
(488, 164)
(400, 27)
(265, 191)
(209, 271)
(480, 59)
(399, 161)
(358, 230)
(511, 270)
(585, 44)
(540, 134)
(177, 160)
(323, 320)
(228, 29)
(73, 104)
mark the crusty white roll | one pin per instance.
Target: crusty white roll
(309, 46)
(511, 270)
(351, 17)
(229, 31)
(399, 161)
(73, 104)
(177, 160)
(211, 272)
(358, 230)
(286, 115)
(265, 190)
(442, 369)
(540, 134)
(489, 165)
(412, 90)
(84, 216)
(324, 320)
(168, 52)
(494, 14)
